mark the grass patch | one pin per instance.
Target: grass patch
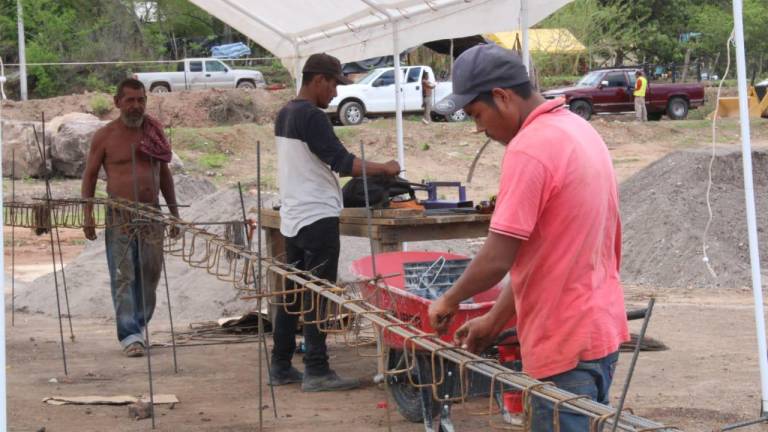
(189, 138)
(213, 160)
(692, 124)
(346, 133)
(100, 105)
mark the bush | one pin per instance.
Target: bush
(100, 105)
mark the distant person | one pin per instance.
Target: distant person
(427, 87)
(555, 232)
(641, 87)
(309, 157)
(135, 154)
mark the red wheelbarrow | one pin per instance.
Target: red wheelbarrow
(421, 277)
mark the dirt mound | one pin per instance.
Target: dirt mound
(664, 212)
(200, 108)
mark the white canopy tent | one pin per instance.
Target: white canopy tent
(354, 30)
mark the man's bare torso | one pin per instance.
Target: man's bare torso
(119, 143)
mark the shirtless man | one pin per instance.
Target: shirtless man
(134, 153)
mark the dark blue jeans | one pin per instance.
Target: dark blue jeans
(590, 378)
(131, 294)
(316, 247)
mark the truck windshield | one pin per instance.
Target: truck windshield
(368, 78)
(591, 79)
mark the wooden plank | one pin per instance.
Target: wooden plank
(423, 220)
(382, 213)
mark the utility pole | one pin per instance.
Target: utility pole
(22, 52)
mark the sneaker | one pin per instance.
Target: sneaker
(425, 121)
(135, 349)
(328, 382)
(291, 376)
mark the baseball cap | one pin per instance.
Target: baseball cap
(327, 65)
(481, 69)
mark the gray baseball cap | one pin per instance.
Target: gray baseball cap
(481, 69)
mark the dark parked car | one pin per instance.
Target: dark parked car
(610, 91)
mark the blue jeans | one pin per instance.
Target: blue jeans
(126, 271)
(589, 378)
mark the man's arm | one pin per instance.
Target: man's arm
(490, 265)
(324, 143)
(391, 168)
(479, 333)
(167, 189)
(88, 187)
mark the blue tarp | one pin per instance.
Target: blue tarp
(230, 51)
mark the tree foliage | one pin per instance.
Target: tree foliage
(662, 32)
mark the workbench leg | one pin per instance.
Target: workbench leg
(275, 249)
(382, 246)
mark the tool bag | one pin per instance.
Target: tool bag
(381, 189)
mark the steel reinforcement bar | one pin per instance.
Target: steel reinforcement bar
(203, 249)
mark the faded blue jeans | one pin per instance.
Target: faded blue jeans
(125, 273)
(589, 378)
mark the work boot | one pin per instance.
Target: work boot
(284, 377)
(328, 382)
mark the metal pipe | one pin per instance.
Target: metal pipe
(13, 238)
(749, 193)
(170, 316)
(262, 336)
(632, 364)
(398, 98)
(141, 283)
(526, 54)
(22, 51)
(3, 369)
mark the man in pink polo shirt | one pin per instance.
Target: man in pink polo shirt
(556, 231)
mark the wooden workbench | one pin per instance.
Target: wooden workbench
(390, 231)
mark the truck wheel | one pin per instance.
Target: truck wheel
(677, 109)
(248, 85)
(581, 108)
(351, 113)
(458, 116)
(160, 88)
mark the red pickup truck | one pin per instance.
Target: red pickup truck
(610, 91)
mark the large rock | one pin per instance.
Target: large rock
(19, 138)
(71, 141)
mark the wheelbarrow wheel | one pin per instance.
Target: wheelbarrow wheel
(407, 397)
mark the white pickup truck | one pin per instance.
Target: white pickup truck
(374, 94)
(201, 73)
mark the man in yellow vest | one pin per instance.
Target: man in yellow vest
(641, 86)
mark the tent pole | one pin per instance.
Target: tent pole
(398, 98)
(754, 256)
(524, 32)
(3, 406)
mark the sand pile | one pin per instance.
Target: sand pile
(195, 295)
(664, 213)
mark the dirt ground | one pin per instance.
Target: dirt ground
(708, 377)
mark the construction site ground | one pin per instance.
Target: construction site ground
(708, 378)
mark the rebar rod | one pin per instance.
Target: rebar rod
(194, 242)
